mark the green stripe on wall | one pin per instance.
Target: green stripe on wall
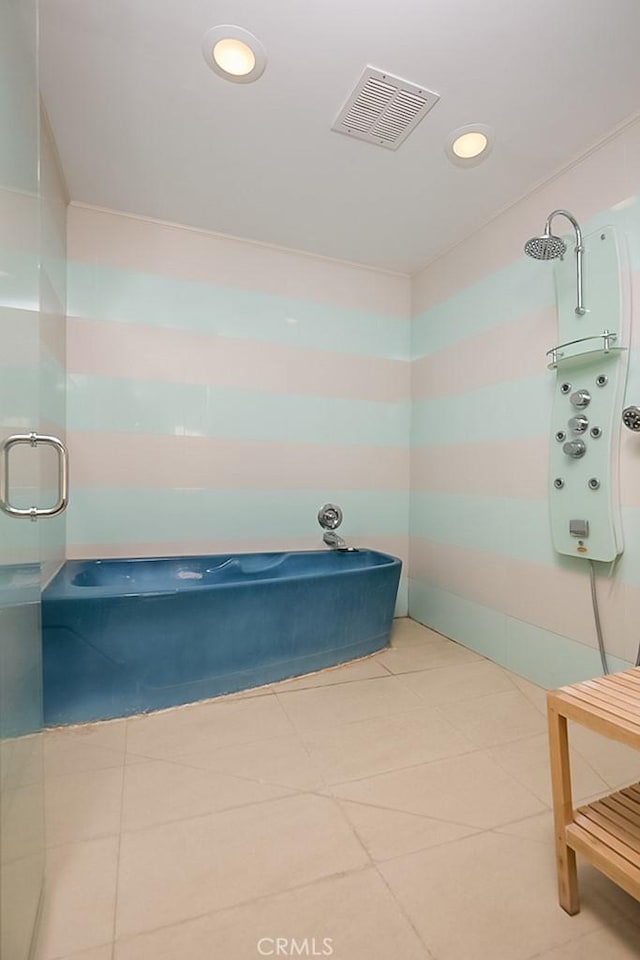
(486, 414)
(111, 404)
(546, 658)
(101, 292)
(502, 297)
(100, 515)
(510, 528)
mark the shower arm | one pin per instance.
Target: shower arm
(580, 310)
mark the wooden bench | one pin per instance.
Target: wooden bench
(606, 832)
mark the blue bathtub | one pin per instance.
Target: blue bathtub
(127, 636)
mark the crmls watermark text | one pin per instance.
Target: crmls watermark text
(290, 947)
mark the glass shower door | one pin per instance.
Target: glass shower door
(21, 760)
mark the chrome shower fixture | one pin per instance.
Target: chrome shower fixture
(631, 418)
(550, 247)
(330, 516)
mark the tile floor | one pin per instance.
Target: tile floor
(397, 806)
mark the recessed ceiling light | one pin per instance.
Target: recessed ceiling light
(234, 53)
(469, 144)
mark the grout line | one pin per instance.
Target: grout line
(325, 792)
(241, 904)
(404, 913)
(473, 832)
(335, 802)
(409, 813)
(117, 889)
(221, 810)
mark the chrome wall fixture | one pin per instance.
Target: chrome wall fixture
(550, 247)
(330, 518)
(590, 361)
(631, 418)
(33, 440)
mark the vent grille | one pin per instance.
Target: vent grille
(384, 109)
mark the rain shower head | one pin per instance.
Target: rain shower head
(546, 247)
(550, 247)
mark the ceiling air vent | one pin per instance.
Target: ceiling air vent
(384, 109)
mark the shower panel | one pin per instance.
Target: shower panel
(590, 361)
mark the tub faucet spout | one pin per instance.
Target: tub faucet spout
(336, 542)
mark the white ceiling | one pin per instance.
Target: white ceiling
(144, 126)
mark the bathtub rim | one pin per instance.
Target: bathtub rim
(61, 589)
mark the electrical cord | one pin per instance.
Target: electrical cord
(596, 617)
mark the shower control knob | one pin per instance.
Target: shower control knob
(580, 398)
(330, 516)
(578, 424)
(574, 449)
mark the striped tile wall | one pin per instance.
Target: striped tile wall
(52, 353)
(219, 392)
(32, 356)
(482, 569)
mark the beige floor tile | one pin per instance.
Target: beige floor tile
(388, 833)
(182, 870)
(18, 881)
(593, 886)
(344, 673)
(94, 746)
(80, 897)
(406, 632)
(283, 761)
(427, 656)
(21, 761)
(496, 718)
(355, 917)
(486, 897)
(159, 791)
(206, 726)
(619, 942)
(464, 681)
(528, 762)
(96, 953)
(368, 747)
(614, 762)
(322, 707)
(471, 790)
(83, 806)
(538, 828)
(21, 822)
(535, 694)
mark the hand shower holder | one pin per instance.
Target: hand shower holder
(605, 344)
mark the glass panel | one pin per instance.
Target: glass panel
(21, 763)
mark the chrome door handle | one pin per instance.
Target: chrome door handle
(34, 513)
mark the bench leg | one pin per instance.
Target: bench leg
(562, 810)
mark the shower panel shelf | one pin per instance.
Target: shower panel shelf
(600, 345)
